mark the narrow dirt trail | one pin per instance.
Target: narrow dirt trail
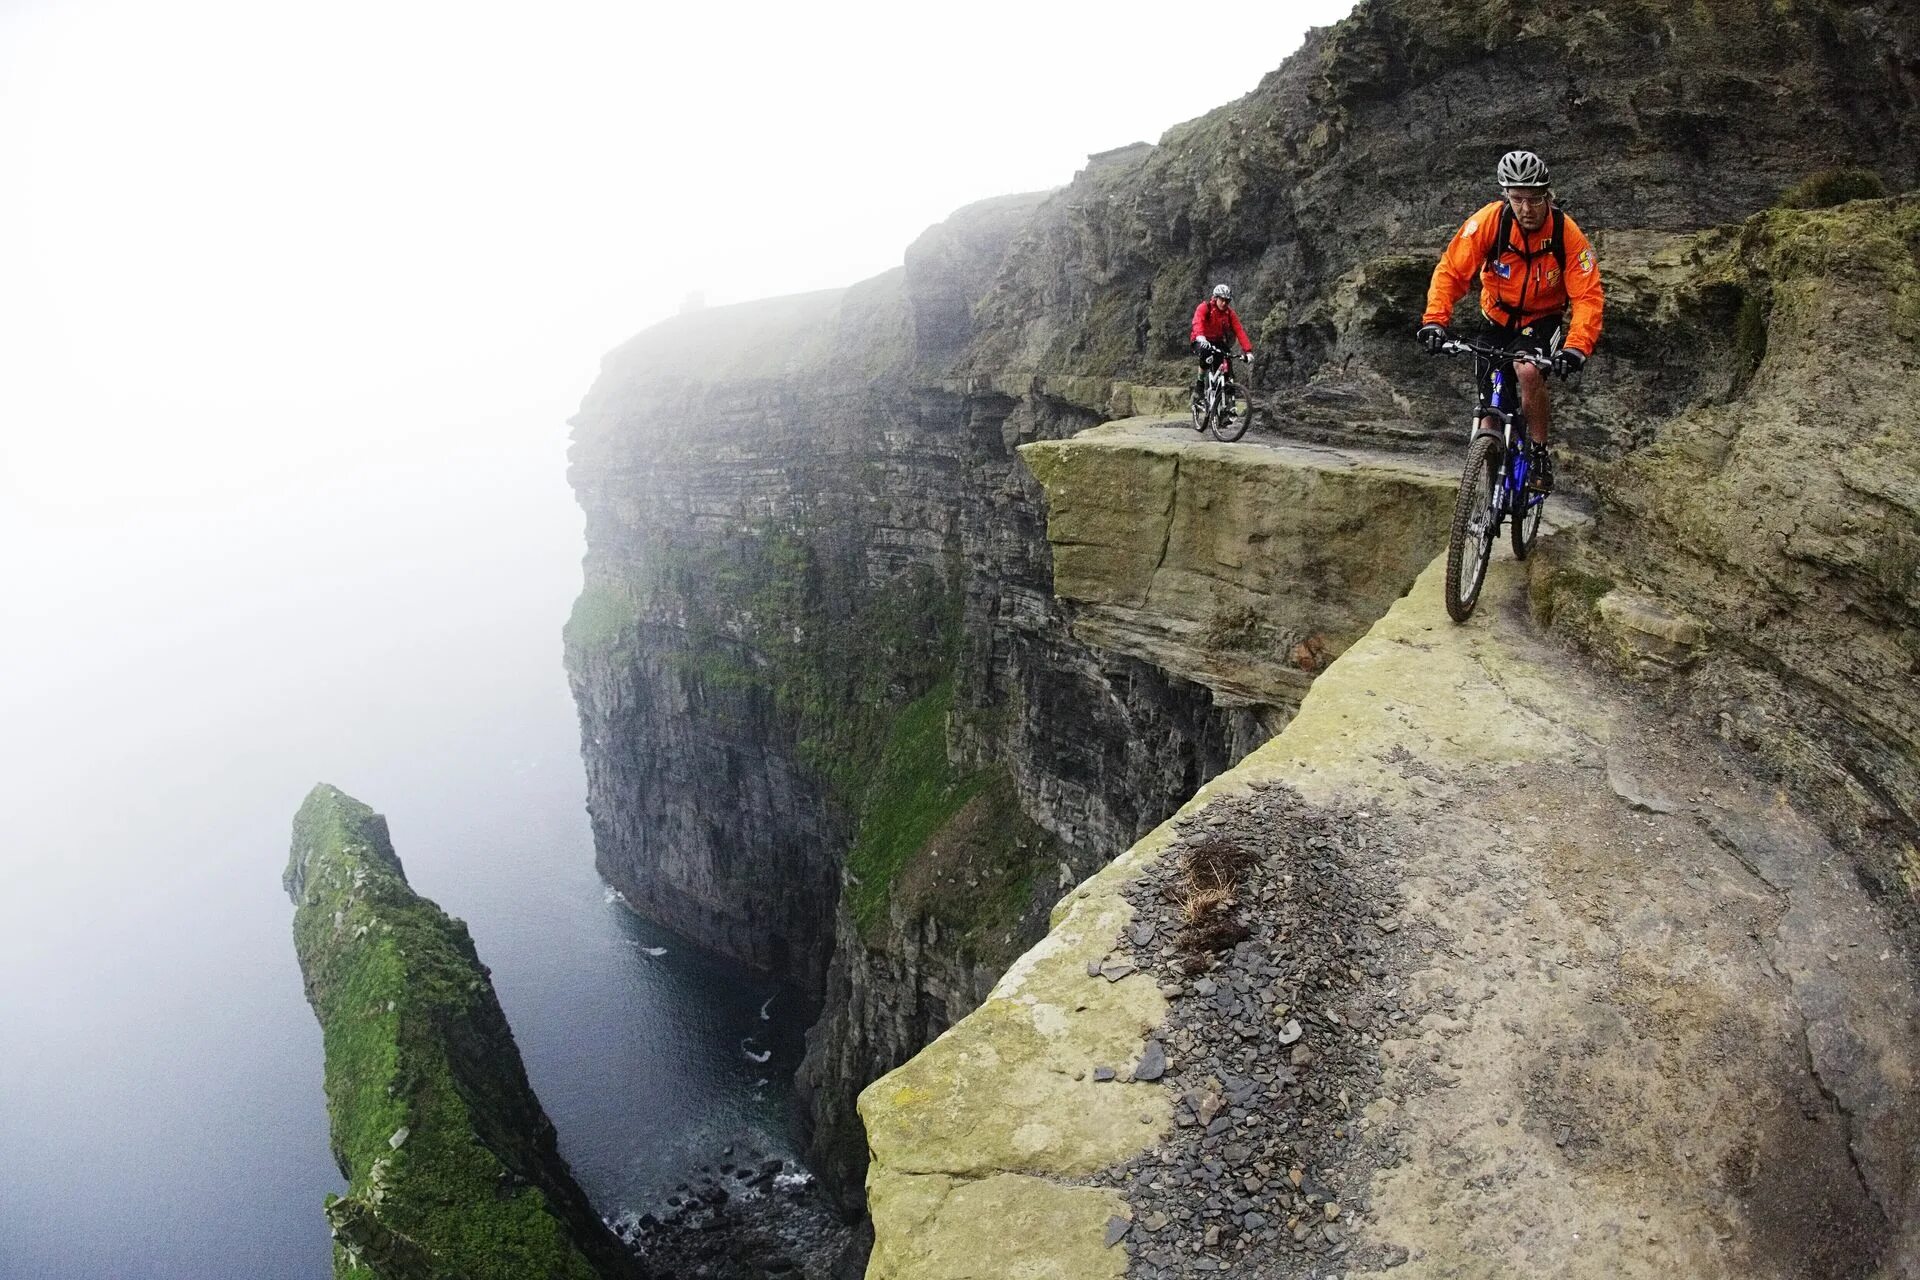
(1669, 1035)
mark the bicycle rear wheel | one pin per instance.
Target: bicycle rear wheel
(1526, 523)
(1475, 526)
(1231, 418)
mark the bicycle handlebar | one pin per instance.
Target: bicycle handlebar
(1461, 347)
(1207, 348)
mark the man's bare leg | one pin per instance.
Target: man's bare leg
(1534, 402)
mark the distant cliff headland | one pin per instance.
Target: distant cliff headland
(847, 712)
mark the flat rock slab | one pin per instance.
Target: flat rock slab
(1002, 1227)
(1012, 1086)
(1242, 567)
(1668, 1028)
(1653, 1044)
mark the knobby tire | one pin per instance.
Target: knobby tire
(1526, 524)
(1467, 563)
(1209, 408)
(1229, 426)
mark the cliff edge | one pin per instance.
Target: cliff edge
(1506, 957)
(1480, 968)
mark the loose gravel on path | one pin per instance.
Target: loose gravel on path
(1272, 1041)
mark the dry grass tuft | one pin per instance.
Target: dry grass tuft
(1205, 893)
(1197, 905)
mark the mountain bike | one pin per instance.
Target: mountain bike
(1493, 486)
(1220, 407)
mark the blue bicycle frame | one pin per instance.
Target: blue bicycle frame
(1513, 499)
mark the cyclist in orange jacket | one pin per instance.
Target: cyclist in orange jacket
(1534, 263)
(1213, 322)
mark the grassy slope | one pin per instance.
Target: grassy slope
(913, 794)
(954, 847)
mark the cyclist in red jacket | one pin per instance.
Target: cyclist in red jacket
(1213, 321)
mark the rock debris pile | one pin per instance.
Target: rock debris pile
(1271, 929)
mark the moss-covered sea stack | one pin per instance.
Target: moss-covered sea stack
(451, 1164)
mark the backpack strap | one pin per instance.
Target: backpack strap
(1503, 235)
(1503, 231)
(1556, 244)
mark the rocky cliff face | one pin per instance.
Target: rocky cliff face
(1325, 194)
(1428, 981)
(782, 565)
(450, 1161)
(822, 619)
(1757, 559)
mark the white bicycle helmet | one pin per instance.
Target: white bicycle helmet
(1223, 293)
(1523, 169)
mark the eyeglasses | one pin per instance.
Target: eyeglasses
(1529, 201)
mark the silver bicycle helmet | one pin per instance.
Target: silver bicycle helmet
(1523, 169)
(1223, 293)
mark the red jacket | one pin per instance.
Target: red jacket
(1214, 323)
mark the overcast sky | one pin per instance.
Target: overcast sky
(220, 215)
(278, 279)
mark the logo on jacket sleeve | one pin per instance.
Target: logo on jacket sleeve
(1585, 261)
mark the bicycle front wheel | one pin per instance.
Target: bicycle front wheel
(1230, 419)
(1475, 526)
(1209, 409)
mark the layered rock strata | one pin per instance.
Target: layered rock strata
(1247, 570)
(1757, 559)
(1325, 194)
(450, 1162)
(805, 516)
(788, 577)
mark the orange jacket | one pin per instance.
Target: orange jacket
(1538, 290)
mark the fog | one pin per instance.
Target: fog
(295, 301)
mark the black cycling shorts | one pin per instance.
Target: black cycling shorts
(1537, 337)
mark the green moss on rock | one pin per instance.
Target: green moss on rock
(1830, 187)
(914, 792)
(764, 614)
(602, 618)
(1567, 596)
(450, 1162)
